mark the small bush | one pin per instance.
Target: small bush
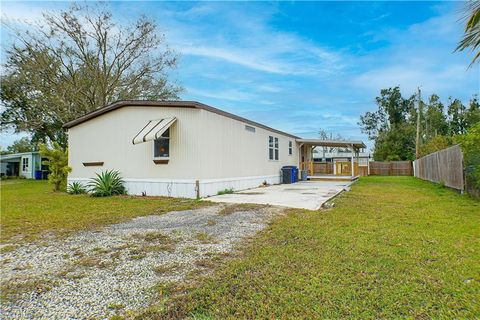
(225, 191)
(76, 188)
(106, 184)
(57, 162)
(470, 144)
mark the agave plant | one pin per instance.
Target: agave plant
(106, 184)
(76, 188)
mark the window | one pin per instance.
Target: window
(272, 148)
(161, 146)
(25, 164)
(249, 128)
(290, 148)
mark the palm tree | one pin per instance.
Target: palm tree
(471, 38)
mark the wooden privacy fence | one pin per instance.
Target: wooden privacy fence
(444, 166)
(391, 168)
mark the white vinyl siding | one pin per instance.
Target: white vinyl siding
(203, 145)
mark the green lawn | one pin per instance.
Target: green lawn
(393, 247)
(29, 208)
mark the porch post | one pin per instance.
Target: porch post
(358, 160)
(352, 165)
(310, 165)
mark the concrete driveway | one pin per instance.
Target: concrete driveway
(304, 195)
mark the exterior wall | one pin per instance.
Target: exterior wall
(3, 168)
(213, 149)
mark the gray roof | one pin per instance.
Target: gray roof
(177, 104)
(333, 143)
(16, 155)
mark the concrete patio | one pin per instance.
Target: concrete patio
(303, 195)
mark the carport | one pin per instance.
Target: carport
(304, 195)
(347, 169)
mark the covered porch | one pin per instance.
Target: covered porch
(344, 165)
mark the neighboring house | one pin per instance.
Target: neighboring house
(335, 160)
(21, 164)
(180, 148)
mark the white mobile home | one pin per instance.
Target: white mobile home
(178, 148)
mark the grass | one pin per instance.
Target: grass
(30, 209)
(204, 238)
(155, 242)
(393, 247)
(11, 290)
(162, 269)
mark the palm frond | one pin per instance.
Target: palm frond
(471, 37)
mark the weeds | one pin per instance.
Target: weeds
(162, 269)
(239, 207)
(204, 238)
(211, 222)
(13, 289)
(7, 248)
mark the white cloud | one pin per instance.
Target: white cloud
(225, 94)
(422, 55)
(20, 12)
(248, 41)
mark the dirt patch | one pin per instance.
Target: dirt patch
(241, 207)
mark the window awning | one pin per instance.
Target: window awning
(153, 130)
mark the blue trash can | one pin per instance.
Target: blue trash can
(38, 174)
(295, 174)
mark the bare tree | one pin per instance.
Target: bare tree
(74, 61)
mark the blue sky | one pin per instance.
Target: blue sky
(302, 66)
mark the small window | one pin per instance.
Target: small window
(249, 128)
(25, 164)
(290, 148)
(273, 148)
(161, 146)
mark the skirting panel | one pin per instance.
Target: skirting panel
(188, 188)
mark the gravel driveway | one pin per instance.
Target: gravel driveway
(98, 274)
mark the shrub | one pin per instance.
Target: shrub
(226, 191)
(106, 184)
(437, 143)
(76, 188)
(57, 162)
(470, 144)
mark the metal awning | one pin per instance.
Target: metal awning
(332, 143)
(153, 130)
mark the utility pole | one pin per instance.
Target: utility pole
(419, 111)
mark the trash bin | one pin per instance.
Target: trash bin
(287, 175)
(294, 173)
(38, 174)
(290, 174)
(304, 174)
